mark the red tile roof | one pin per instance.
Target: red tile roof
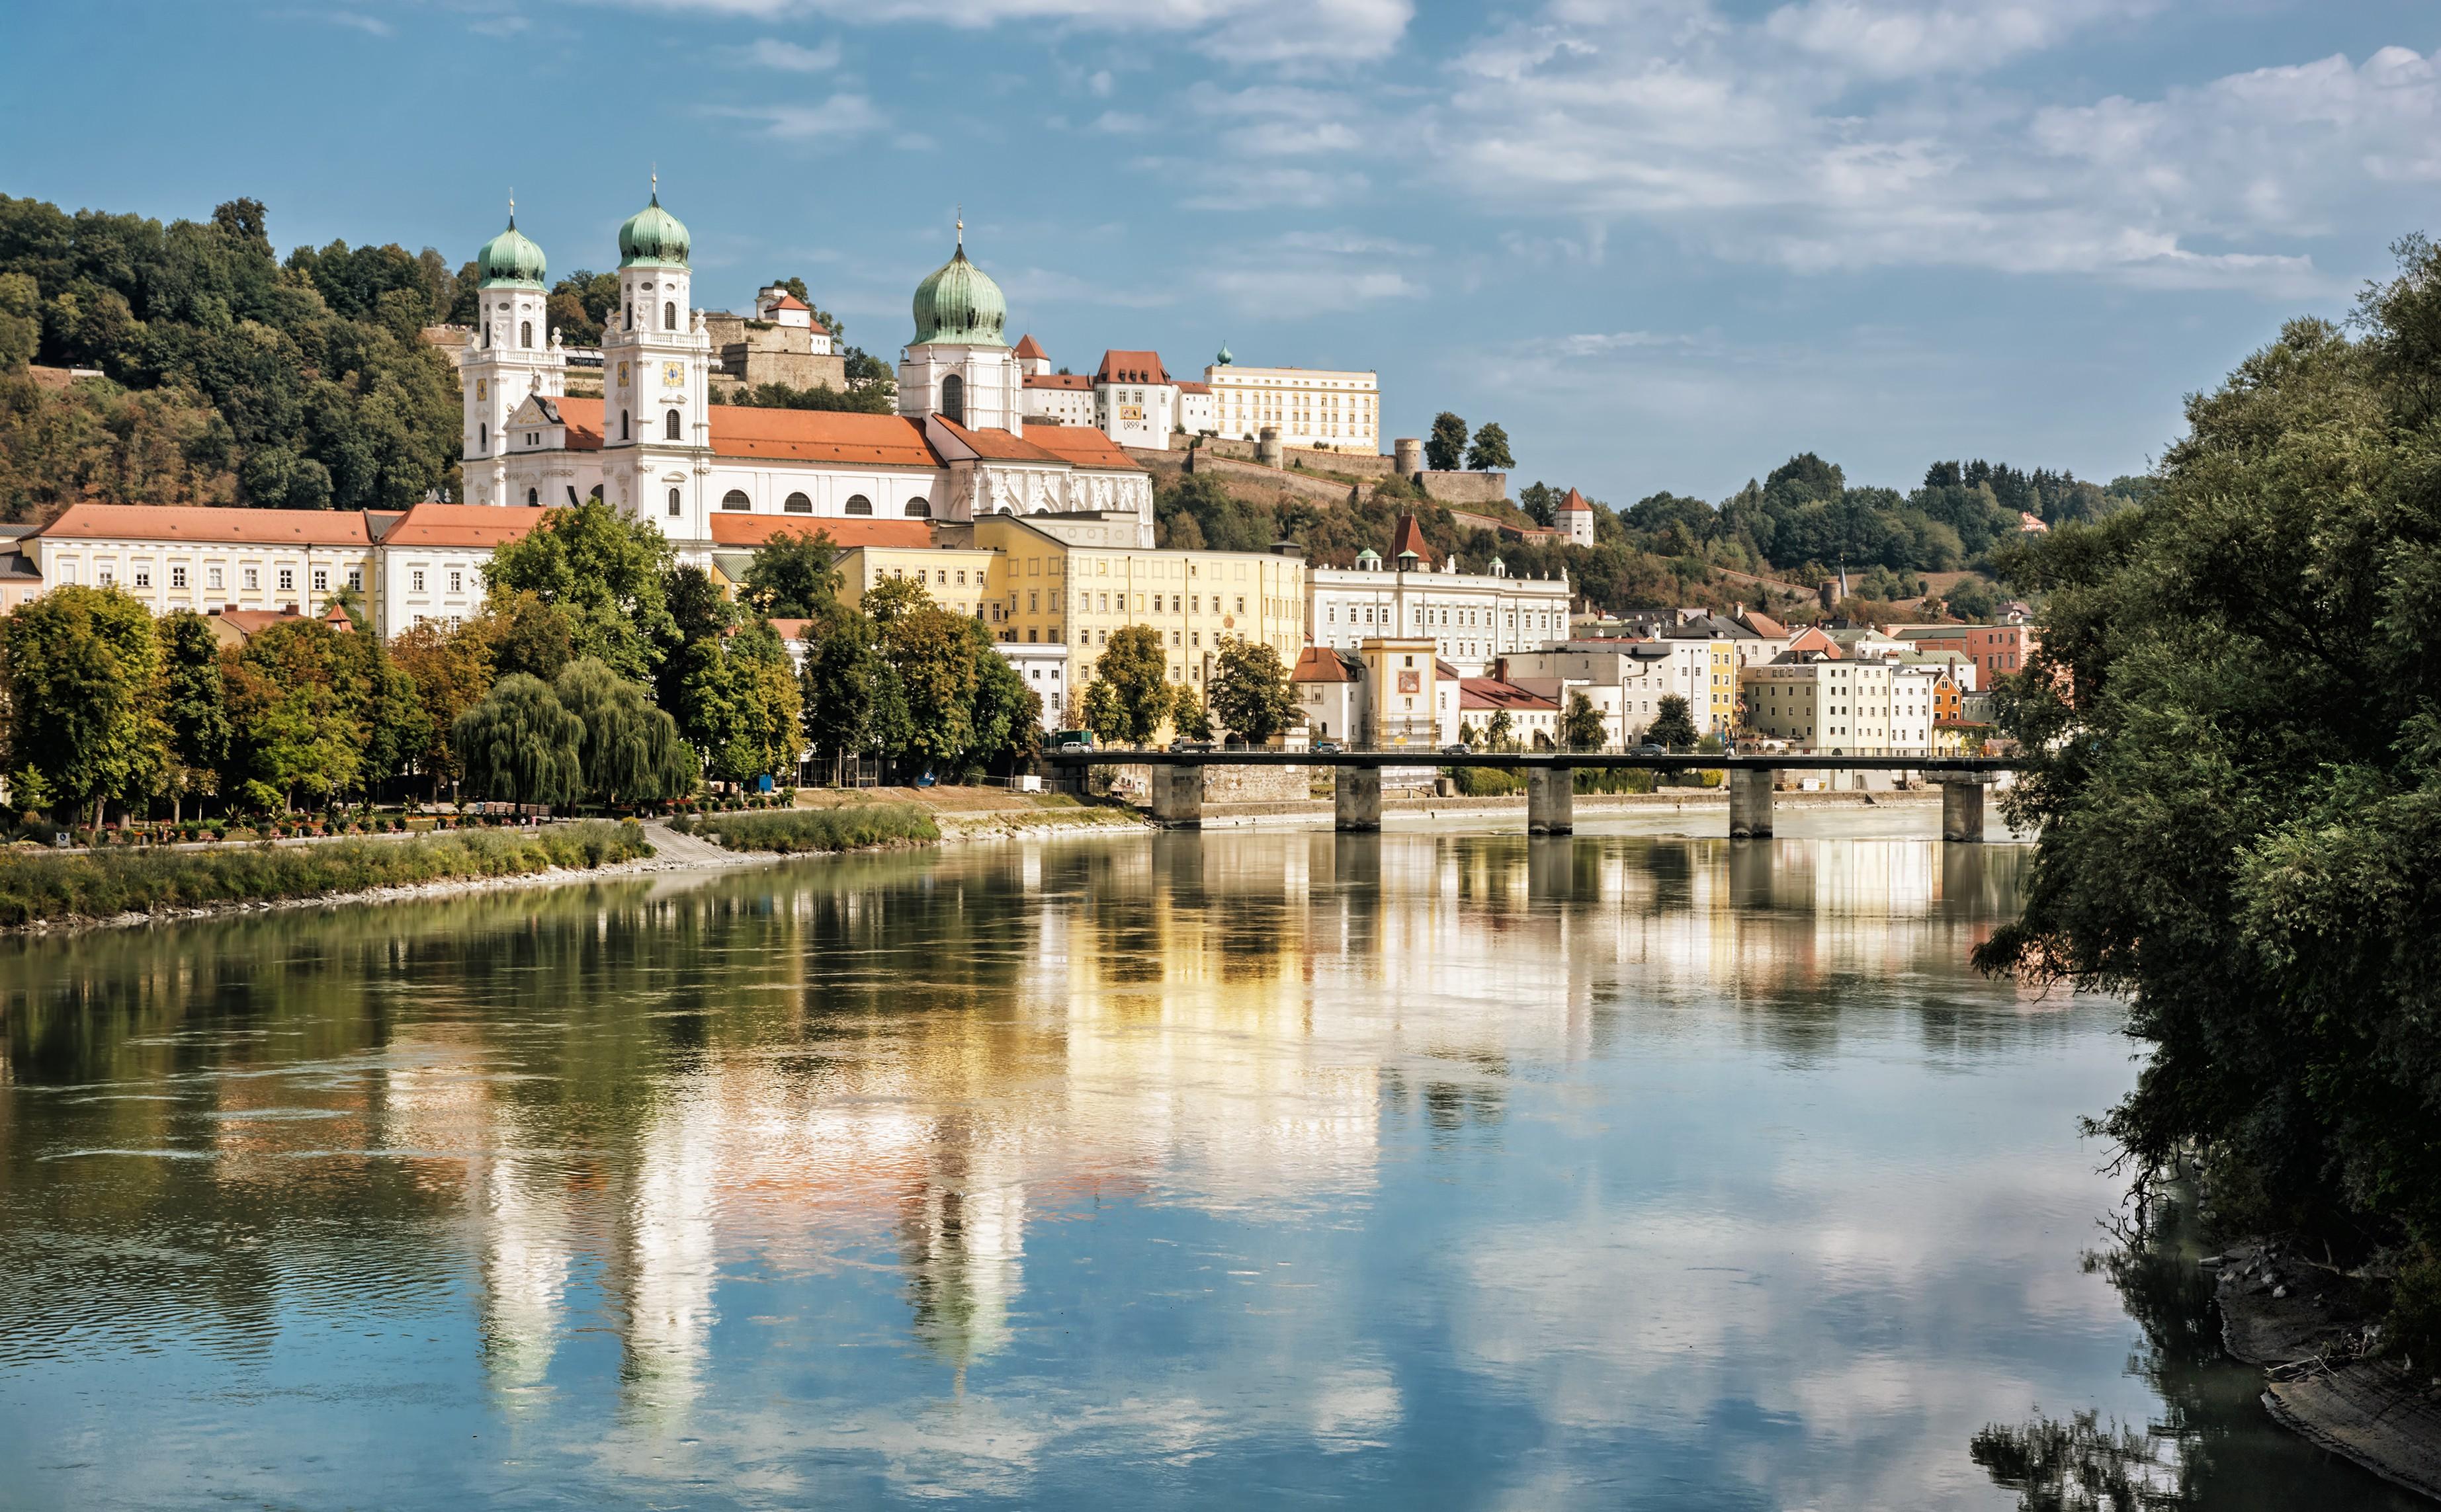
(1028, 348)
(997, 445)
(791, 629)
(790, 301)
(1084, 446)
(1184, 387)
(1765, 626)
(1410, 537)
(1574, 502)
(1490, 693)
(1130, 368)
(819, 436)
(1319, 664)
(484, 525)
(582, 418)
(183, 522)
(1059, 380)
(753, 529)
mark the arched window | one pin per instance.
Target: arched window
(487, 333)
(670, 426)
(534, 498)
(669, 314)
(797, 504)
(919, 509)
(859, 504)
(482, 437)
(623, 424)
(735, 499)
(629, 324)
(525, 332)
(953, 399)
(674, 502)
(596, 494)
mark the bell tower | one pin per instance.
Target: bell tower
(656, 380)
(959, 366)
(508, 356)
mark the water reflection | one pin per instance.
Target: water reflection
(1620, 1170)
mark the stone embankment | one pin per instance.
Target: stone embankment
(2314, 1330)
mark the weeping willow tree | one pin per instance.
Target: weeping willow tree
(521, 744)
(629, 750)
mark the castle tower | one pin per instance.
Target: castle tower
(959, 366)
(510, 356)
(1575, 517)
(656, 381)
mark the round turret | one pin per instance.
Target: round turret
(509, 259)
(959, 303)
(652, 238)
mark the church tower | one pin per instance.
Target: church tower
(656, 381)
(959, 366)
(510, 354)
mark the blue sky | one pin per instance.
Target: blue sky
(1666, 242)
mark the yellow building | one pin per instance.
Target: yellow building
(1054, 591)
(964, 580)
(1724, 707)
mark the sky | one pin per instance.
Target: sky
(1665, 243)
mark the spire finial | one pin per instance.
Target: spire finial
(961, 227)
(513, 210)
(657, 183)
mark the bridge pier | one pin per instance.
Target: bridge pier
(1750, 802)
(1178, 797)
(1550, 801)
(1962, 810)
(1356, 799)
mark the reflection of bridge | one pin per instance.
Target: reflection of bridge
(1550, 780)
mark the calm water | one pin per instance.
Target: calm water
(1250, 1170)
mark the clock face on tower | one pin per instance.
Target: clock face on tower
(673, 375)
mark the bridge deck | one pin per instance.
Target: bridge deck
(1425, 756)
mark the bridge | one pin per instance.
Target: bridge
(1550, 780)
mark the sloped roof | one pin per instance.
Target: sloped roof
(753, 529)
(1120, 367)
(790, 301)
(817, 436)
(1490, 692)
(204, 523)
(995, 445)
(480, 525)
(1410, 537)
(1076, 381)
(1319, 664)
(791, 629)
(1185, 388)
(1084, 446)
(1575, 501)
(1765, 626)
(582, 418)
(1027, 347)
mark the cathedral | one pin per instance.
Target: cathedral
(714, 477)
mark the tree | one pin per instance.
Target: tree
(1445, 448)
(397, 730)
(1099, 710)
(1189, 716)
(867, 399)
(847, 691)
(2235, 777)
(1250, 692)
(791, 576)
(523, 632)
(194, 703)
(451, 670)
(520, 744)
(603, 570)
(1008, 714)
(21, 320)
(296, 693)
(1673, 725)
(765, 735)
(1584, 727)
(630, 752)
(1136, 668)
(84, 700)
(933, 658)
(1501, 734)
(1490, 453)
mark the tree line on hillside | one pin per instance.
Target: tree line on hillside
(601, 671)
(231, 376)
(2234, 720)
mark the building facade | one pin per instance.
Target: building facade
(1469, 616)
(1322, 408)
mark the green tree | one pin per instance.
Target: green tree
(855, 400)
(1446, 447)
(520, 744)
(194, 703)
(1501, 734)
(296, 694)
(1100, 712)
(892, 597)
(21, 320)
(1673, 722)
(1582, 727)
(847, 693)
(1250, 692)
(397, 730)
(1189, 717)
(1136, 668)
(791, 576)
(604, 572)
(630, 752)
(84, 700)
(580, 305)
(523, 632)
(1008, 714)
(934, 660)
(451, 669)
(1490, 453)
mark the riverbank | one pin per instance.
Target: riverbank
(2315, 1331)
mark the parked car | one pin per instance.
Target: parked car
(1327, 748)
(1459, 748)
(1181, 746)
(1651, 749)
(1072, 740)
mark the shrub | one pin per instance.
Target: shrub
(795, 831)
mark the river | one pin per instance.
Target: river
(1432, 1170)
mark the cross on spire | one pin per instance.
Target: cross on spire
(513, 210)
(657, 183)
(961, 227)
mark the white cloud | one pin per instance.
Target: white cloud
(370, 25)
(1305, 274)
(789, 57)
(1279, 32)
(841, 116)
(1902, 38)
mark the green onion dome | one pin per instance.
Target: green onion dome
(510, 261)
(959, 303)
(652, 238)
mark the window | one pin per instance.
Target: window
(859, 504)
(797, 504)
(962, 579)
(287, 580)
(482, 437)
(356, 578)
(670, 426)
(534, 498)
(953, 399)
(525, 332)
(674, 503)
(735, 499)
(669, 316)
(321, 580)
(252, 579)
(623, 424)
(457, 582)
(415, 581)
(144, 577)
(919, 509)
(630, 324)
(211, 577)
(487, 333)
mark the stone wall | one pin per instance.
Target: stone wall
(1322, 489)
(1255, 785)
(1464, 488)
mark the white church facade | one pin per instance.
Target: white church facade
(656, 447)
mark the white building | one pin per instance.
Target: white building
(1829, 707)
(1575, 517)
(1045, 670)
(1309, 406)
(1626, 680)
(1130, 398)
(656, 447)
(1469, 616)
